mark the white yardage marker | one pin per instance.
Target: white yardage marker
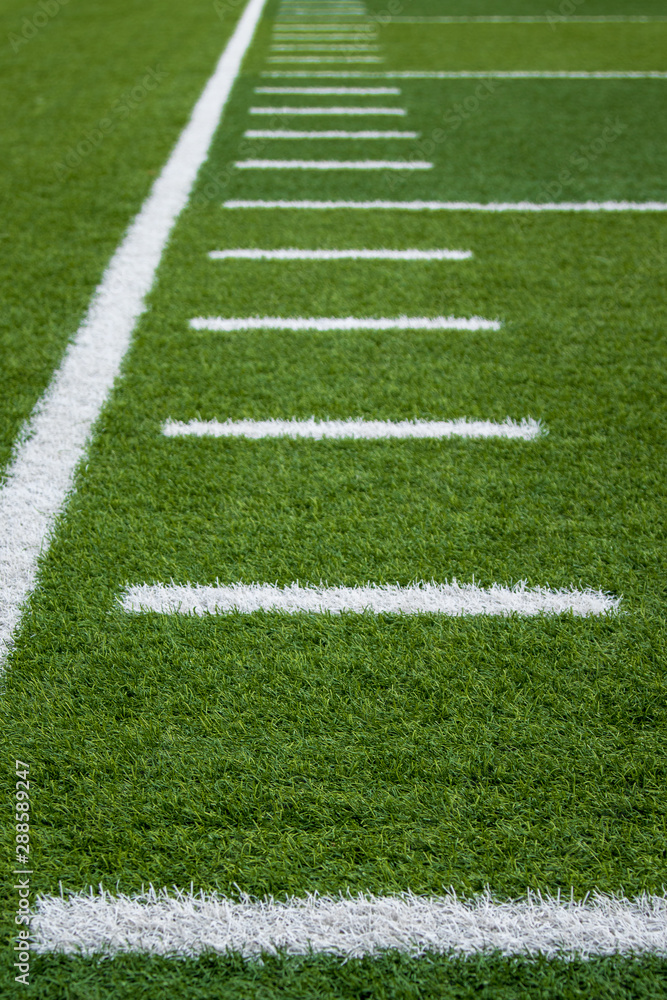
(333, 111)
(292, 253)
(324, 59)
(41, 472)
(288, 133)
(332, 91)
(297, 324)
(457, 206)
(356, 430)
(314, 47)
(452, 599)
(333, 165)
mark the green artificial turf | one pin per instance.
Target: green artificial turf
(82, 137)
(270, 754)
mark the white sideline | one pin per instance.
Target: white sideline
(333, 165)
(324, 91)
(241, 324)
(185, 924)
(509, 74)
(295, 254)
(452, 599)
(41, 473)
(459, 206)
(356, 430)
(327, 111)
(331, 133)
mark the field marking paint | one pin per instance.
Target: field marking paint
(533, 19)
(522, 74)
(452, 599)
(356, 430)
(297, 324)
(332, 165)
(458, 206)
(330, 91)
(328, 111)
(314, 47)
(325, 59)
(323, 37)
(185, 924)
(41, 473)
(324, 26)
(286, 133)
(292, 253)
(182, 923)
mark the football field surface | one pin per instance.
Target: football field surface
(332, 549)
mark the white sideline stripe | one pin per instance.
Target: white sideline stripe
(292, 253)
(41, 472)
(218, 324)
(185, 924)
(522, 74)
(328, 111)
(329, 91)
(332, 165)
(460, 206)
(452, 599)
(356, 430)
(287, 133)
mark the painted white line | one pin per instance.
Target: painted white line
(367, 29)
(286, 133)
(185, 924)
(328, 111)
(534, 19)
(242, 324)
(332, 165)
(324, 59)
(452, 599)
(331, 91)
(323, 37)
(476, 75)
(314, 47)
(356, 430)
(459, 206)
(41, 473)
(295, 254)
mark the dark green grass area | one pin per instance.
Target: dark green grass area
(391, 977)
(537, 46)
(539, 140)
(70, 184)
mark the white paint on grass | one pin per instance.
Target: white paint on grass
(333, 165)
(452, 599)
(333, 110)
(293, 253)
(324, 59)
(41, 473)
(313, 47)
(457, 206)
(297, 324)
(185, 924)
(518, 74)
(553, 19)
(356, 430)
(331, 91)
(331, 133)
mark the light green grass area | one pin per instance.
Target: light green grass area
(276, 754)
(91, 104)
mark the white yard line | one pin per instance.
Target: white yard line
(342, 110)
(323, 37)
(518, 74)
(185, 924)
(41, 473)
(300, 26)
(296, 324)
(452, 599)
(333, 165)
(286, 133)
(323, 47)
(535, 19)
(298, 60)
(457, 206)
(293, 253)
(332, 91)
(356, 430)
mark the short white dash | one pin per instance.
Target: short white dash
(333, 110)
(287, 133)
(331, 91)
(333, 165)
(295, 254)
(242, 324)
